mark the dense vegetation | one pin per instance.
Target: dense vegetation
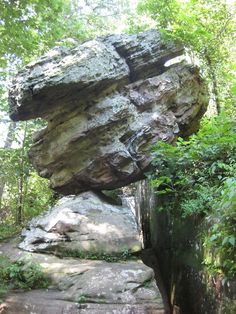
(22, 274)
(198, 176)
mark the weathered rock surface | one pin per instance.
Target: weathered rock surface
(69, 77)
(106, 102)
(48, 302)
(83, 225)
(83, 286)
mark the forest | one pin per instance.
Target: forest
(195, 178)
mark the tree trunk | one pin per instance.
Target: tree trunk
(215, 89)
(20, 203)
(7, 145)
(10, 135)
(19, 211)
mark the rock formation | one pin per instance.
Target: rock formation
(84, 225)
(86, 286)
(106, 101)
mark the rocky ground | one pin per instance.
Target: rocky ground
(85, 286)
(103, 276)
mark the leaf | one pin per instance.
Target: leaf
(213, 237)
(232, 240)
(233, 90)
(225, 240)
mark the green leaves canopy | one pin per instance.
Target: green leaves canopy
(28, 27)
(208, 29)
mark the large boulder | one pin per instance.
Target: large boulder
(106, 102)
(84, 226)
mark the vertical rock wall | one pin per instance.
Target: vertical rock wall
(190, 288)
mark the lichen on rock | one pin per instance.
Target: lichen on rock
(106, 102)
(83, 226)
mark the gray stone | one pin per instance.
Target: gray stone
(48, 302)
(83, 225)
(117, 283)
(61, 76)
(106, 102)
(145, 53)
(108, 145)
(85, 286)
(65, 76)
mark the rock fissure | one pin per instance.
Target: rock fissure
(123, 57)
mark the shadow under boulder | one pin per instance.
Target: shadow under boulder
(83, 226)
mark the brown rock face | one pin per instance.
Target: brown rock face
(106, 101)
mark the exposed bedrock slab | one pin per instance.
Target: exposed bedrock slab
(83, 225)
(106, 101)
(48, 302)
(85, 286)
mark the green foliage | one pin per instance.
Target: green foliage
(82, 299)
(207, 28)
(198, 178)
(21, 274)
(220, 240)
(8, 230)
(23, 188)
(29, 27)
(111, 258)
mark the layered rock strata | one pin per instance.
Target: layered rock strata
(106, 101)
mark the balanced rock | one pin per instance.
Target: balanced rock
(106, 102)
(83, 225)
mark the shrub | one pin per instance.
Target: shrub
(198, 178)
(21, 274)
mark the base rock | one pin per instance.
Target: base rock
(83, 225)
(86, 287)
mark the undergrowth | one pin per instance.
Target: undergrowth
(197, 177)
(21, 274)
(111, 258)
